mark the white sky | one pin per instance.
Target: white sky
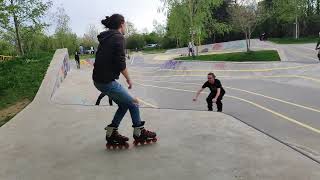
(85, 12)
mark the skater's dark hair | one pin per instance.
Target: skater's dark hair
(214, 76)
(113, 22)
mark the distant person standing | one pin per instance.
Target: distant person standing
(77, 59)
(318, 47)
(81, 49)
(263, 37)
(191, 49)
(92, 50)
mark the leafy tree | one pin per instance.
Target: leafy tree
(188, 20)
(90, 37)
(135, 41)
(16, 14)
(64, 38)
(245, 16)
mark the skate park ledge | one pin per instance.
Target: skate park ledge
(51, 141)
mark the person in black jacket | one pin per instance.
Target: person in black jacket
(109, 63)
(77, 59)
(217, 92)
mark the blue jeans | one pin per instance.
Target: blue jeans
(125, 102)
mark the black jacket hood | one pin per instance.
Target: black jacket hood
(107, 34)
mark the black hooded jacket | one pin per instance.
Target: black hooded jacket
(110, 57)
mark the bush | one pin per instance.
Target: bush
(135, 41)
(168, 43)
(6, 48)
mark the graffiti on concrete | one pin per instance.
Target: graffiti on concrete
(171, 64)
(89, 62)
(62, 74)
(219, 66)
(229, 45)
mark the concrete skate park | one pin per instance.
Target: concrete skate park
(269, 128)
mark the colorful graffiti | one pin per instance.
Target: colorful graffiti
(219, 66)
(171, 64)
(62, 74)
(88, 62)
(229, 45)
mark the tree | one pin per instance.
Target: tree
(17, 13)
(291, 11)
(90, 37)
(130, 29)
(135, 41)
(318, 7)
(196, 13)
(159, 29)
(64, 38)
(245, 16)
(62, 20)
(33, 39)
(216, 22)
(178, 24)
(6, 48)
(2, 10)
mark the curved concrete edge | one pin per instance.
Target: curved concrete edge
(56, 73)
(224, 47)
(282, 54)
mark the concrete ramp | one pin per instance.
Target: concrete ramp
(53, 142)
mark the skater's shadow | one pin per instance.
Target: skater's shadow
(117, 151)
(145, 146)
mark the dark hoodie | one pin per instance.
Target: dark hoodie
(110, 57)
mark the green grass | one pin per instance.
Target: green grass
(21, 78)
(153, 50)
(269, 55)
(5, 120)
(302, 40)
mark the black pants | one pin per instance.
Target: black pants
(100, 97)
(218, 102)
(78, 63)
(319, 56)
(191, 52)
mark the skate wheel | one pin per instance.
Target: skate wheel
(135, 143)
(121, 146)
(148, 141)
(154, 140)
(114, 146)
(108, 146)
(126, 146)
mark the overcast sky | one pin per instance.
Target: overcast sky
(85, 12)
